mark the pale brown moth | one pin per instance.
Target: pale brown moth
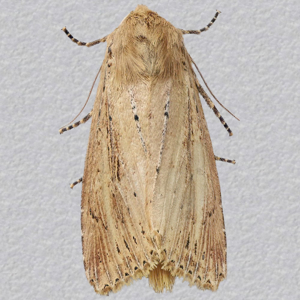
(151, 201)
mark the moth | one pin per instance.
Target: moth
(151, 201)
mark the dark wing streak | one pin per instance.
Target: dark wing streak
(222, 260)
(217, 261)
(128, 265)
(164, 130)
(100, 102)
(95, 253)
(102, 241)
(125, 229)
(93, 258)
(188, 262)
(187, 195)
(190, 179)
(213, 246)
(109, 246)
(128, 239)
(132, 189)
(166, 117)
(212, 234)
(186, 231)
(208, 244)
(138, 126)
(201, 249)
(111, 133)
(201, 245)
(192, 240)
(215, 257)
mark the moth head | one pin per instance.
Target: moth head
(147, 46)
(140, 11)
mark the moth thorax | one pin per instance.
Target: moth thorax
(161, 279)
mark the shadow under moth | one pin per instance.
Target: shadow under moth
(151, 200)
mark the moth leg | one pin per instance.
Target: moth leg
(225, 159)
(204, 28)
(213, 107)
(76, 182)
(70, 36)
(86, 118)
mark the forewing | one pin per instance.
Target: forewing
(116, 239)
(187, 209)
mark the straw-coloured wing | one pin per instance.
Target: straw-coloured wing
(187, 210)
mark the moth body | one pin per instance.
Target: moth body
(151, 201)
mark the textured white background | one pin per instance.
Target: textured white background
(250, 59)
